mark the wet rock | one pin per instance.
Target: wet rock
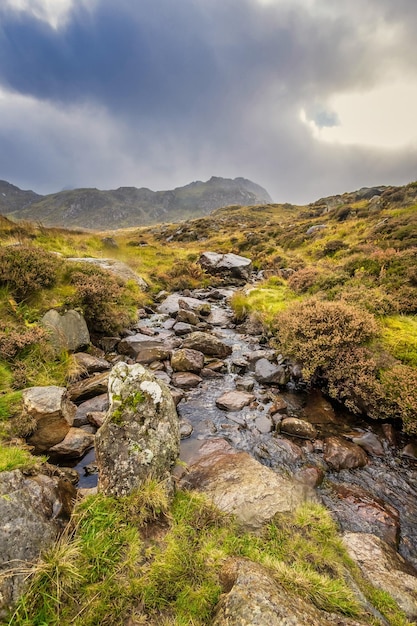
(279, 453)
(68, 331)
(238, 484)
(88, 388)
(186, 380)
(239, 365)
(269, 373)
(226, 265)
(234, 400)
(410, 450)
(255, 355)
(253, 326)
(207, 344)
(342, 454)
(210, 374)
(98, 403)
(245, 384)
(187, 317)
(148, 355)
(89, 364)
(253, 598)
(186, 429)
(357, 510)
(33, 510)
(140, 436)
(187, 360)
(74, 445)
(389, 433)
(171, 304)
(181, 328)
(311, 476)
(385, 569)
(52, 413)
(177, 396)
(298, 428)
(216, 366)
(132, 346)
(370, 443)
(219, 317)
(279, 405)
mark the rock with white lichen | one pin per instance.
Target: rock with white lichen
(140, 436)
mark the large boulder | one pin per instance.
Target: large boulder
(33, 510)
(227, 265)
(385, 568)
(52, 413)
(68, 331)
(238, 484)
(187, 360)
(253, 598)
(207, 344)
(140, 435)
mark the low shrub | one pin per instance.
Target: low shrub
(26, 269)
(302, 280)
(400, 395)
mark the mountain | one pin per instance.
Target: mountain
(129, 206)
(14, 199)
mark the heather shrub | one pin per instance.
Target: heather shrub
(399, 385)
(26, 269)
(15, 342)
(315, 332)
(302, 280)
(102, 298)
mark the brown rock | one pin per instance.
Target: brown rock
(318, 410)
(75, 444)
(147, 355)
(207, 344)
(53, 412)
(278, 406)
(298, 428)
(342, 454)
(234, 400)
(185, 380)
(187, 360)
(90, 387)
(90, 364)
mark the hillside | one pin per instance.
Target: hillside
(129, 206)
(14, 199)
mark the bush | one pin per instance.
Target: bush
(102, 298)
(26, 269)
(400, 396)
(14, 342)
(303, 280)
(315, 332)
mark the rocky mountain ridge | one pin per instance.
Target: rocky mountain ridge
(128, 206)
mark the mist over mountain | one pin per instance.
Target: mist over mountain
(128, 206)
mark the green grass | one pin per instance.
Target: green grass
(104, 569)
(399, 337)
(12, 457)
(270, 298)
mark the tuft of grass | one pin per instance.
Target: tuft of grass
(12, 457)
(399, 337)
(270, 298)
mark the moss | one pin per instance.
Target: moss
(130, 403)
(399, 337)
(12, 457)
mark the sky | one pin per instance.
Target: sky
(307, 98)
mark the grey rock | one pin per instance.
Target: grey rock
(95, 385)
(264, 424)
(149, 355)
(171, 304)
(219, 317)
(227, 265)
(370, 443)
(182, 328)
(140, 436)
(187, 317)
(269, 373)
(33, 510)
(68, 331)
(207, 344)
(246, 383)
(186, 429)
(117, 268)
(132, 346)
(316, 228)
(74, 445)
(90, 364)
(98, 403)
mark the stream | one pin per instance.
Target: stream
(380, 497)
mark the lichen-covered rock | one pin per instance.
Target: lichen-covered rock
(187, 360)
(253, 598)
(52, 412)
(33, 510)
(68, 331)
(385, 568)
(140, 436)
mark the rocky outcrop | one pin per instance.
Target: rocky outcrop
(385, 568)
(68, 331)
(33, 510)
(140, 436)
(117, 268)
(238, 484)
(229, 266)
(52, 413)
(253, 598)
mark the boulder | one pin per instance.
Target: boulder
(133, 345)
(234, 400)
(89, 364)
(68, 331)
(207, 344)
(33, 510)
(253, 598)
(74, 445)
(140, 436)
(95, 385)
(182, 328)
(149, 355)
(97, 404)
(187, 317)
(219, 317)
(172, 304)
(52, 412)
(187, 360)
(270, 373)
(298, 428)
(238, 484)
(342, 454)
(385, 569)
(227, 265)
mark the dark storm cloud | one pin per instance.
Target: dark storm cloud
(192, 88)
